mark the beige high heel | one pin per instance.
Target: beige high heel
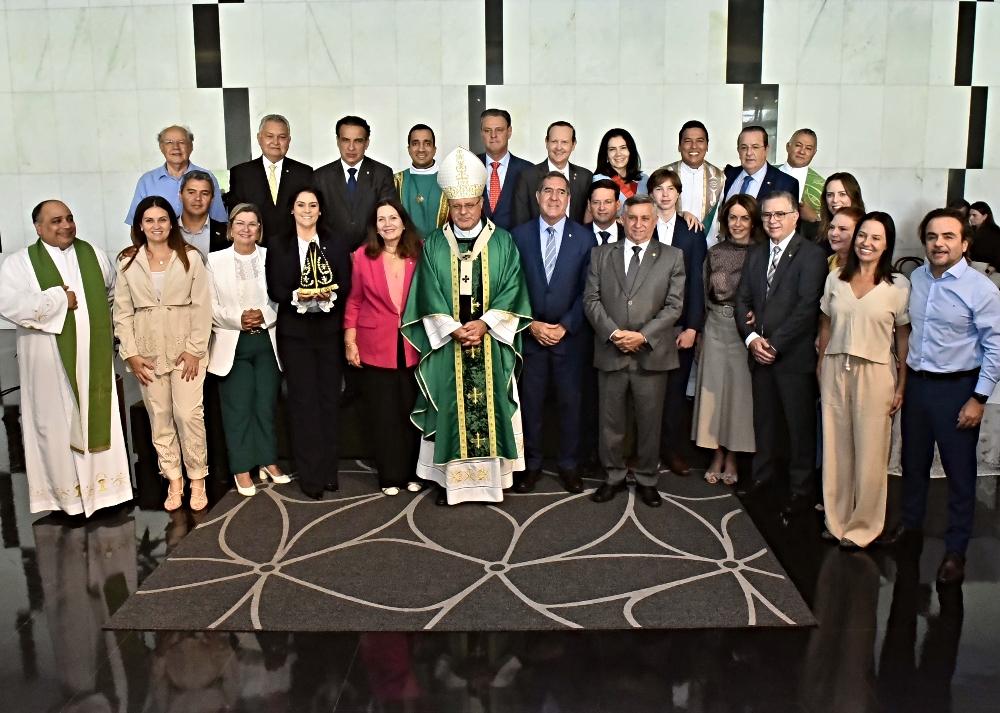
(199, 498)
(174, 496)
(279, 478)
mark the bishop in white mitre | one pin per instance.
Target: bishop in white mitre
(57, 291)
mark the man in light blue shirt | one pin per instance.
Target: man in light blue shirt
(954, 366)
(176, 144)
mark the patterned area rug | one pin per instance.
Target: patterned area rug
(547, 560)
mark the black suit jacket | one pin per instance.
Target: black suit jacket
(620, 235)
(283, 273)
(501, 216)
(692, 244)
(525, 206)
(248, 184)
(774, 180)
(217, 238)
(787, 316)
(346, 217)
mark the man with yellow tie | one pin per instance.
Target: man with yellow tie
(269, 181)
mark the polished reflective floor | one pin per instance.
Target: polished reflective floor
(888, 640)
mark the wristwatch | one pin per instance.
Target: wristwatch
(981, 398)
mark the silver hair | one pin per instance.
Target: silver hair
(186, 130)
(638, 199)
(773, 195)
(274, 117)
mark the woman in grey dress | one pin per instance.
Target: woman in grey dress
(723, 400)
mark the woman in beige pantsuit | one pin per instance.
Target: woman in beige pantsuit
(723, 397)
(861, 380)
(163, 319)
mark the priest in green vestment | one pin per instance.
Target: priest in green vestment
(417, 185)
(467, 306)
(801, 150)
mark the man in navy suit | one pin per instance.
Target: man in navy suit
(665, 187)
(501, 165)
(555, 255)
(755, 175)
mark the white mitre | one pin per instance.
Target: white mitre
(462, 175)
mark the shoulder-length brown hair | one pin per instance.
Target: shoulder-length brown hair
(410, 244)
(883, 271)
(853, 190)
(175, 241)
(749, 204)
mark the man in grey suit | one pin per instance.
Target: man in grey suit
(634, 295)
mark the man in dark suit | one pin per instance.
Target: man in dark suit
(634, 295)
(755, 175)
(555, 253)
(665, 189)
(353, 184)
(197, 227)
(502, 166)
(560, 140)
(777, 308)
(269, 182)
(604, 199)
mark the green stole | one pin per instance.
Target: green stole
(96, 295)
(423, 200)
(466, 398)
(812, 192)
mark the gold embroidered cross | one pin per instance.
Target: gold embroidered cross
(475, 305)
(475, 396)
(478, 440)
(474, 352)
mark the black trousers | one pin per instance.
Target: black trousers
(673, 405)
(312, 369)
(388, 397)
(795, 396)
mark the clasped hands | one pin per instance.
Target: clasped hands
(144, 369)
(250, 319)
(471, 333)
(627, 341)
(319, 297)
(548, 335)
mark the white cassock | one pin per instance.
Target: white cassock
(493, 475)
(58, 477)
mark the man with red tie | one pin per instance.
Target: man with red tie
(502, 166)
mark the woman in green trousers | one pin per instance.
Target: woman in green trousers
(243, 351)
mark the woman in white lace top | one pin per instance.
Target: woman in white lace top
(243, 351)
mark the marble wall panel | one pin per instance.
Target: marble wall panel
(986, 61)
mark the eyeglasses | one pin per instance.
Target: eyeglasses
(743, 148)
(766, 217)
(239, 224)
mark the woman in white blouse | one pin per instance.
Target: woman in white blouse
(244, 351)
(862, 378)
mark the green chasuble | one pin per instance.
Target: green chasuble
(466, 398)
(421, 196)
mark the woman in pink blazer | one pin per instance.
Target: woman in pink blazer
(383, 269)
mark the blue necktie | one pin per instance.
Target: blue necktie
(550, 254)
(352, 182)
(746, 184)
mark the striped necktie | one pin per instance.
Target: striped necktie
(550, 254)
(775, 256)
(745, 188)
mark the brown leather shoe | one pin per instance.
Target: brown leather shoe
(571, 480)
(676, 465)
(952, 569)
(528, 481)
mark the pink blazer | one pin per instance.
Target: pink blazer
(370, 310)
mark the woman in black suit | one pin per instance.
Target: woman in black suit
(310, 342)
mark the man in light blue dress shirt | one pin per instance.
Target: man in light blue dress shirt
(954, 366)
(176, 144)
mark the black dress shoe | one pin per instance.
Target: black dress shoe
(754, 487)
(649, 495)
(952, 569)
(571, 480)
(849, 545)
(899, 535)
(442, 497)
(828, 536)
(314, 494)
(798, 503)
(332, 487)
(528, 481)
(607, 492)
